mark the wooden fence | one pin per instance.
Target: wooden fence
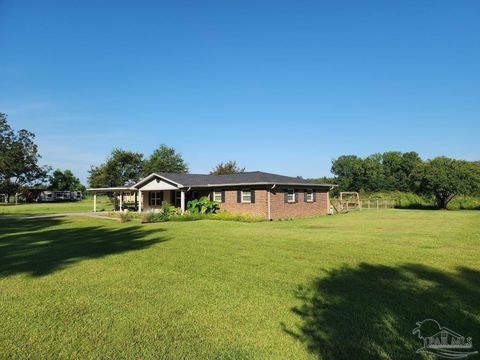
(363, 204)
(374, 204)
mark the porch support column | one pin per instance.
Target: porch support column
(121, 200)
(182, 201)
(95, 202)
(139, 198)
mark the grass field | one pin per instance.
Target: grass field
(341, 287)
(103, 203)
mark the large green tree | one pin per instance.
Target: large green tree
(121, 167)
(444, 178)
(65, 181)
(389, 171)
(397, 168)
(373, 175)
(348, 170)
(229, 167)
(164, 159)
(19, 158)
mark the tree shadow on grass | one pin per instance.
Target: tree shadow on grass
(369, 312)
(35, 248)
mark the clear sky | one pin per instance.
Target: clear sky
(279, 86)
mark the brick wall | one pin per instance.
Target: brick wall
(279, 209)
(282, 210)
(259, 208)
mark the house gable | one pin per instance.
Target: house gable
(158, 184)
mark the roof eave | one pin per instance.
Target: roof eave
(113, 188)
(262, 184)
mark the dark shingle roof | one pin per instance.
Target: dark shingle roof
(245, 178)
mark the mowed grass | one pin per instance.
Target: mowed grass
(341, 287)
(103, 203)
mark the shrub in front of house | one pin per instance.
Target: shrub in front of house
(223, 215)
(202, 206)
(159, 215)
(124, 216)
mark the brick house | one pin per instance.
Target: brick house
(256, 193)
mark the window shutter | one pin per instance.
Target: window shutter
(305, 195)
(223, 196)
(252, 196)
(285, 197)
(149, 198)
(239, 196)
(295, 192)
(314, 196)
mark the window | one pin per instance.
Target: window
(217, 196)
(178, 199)
(309, 195)
(195, 194)
(290, 195)
(156, 198)
(246, 196)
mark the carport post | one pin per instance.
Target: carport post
(95, 202)
(139, 197)
(182, 201)
(121, 200)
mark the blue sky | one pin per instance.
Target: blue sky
(279, 86)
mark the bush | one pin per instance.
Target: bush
(406, 200)
(461, 202)
(218, 216)
(202, 206)
(162, 214)
(124, 216)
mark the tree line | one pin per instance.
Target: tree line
(20, 170)
(124, 167)
(441, 178)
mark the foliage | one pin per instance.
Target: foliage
(122, 167)
(397, 168)
(222, 215)
(18, 159)
(444, 178)
(163, 214)
(229, 167)
(464, 202)
(378, 172)
(202, 206)
(349, 172)
(124, 216)
(403, 200)
(64, 181)
(164, 159)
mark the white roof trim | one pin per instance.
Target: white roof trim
(153, 175)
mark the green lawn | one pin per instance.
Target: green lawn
(103, 203)
(341, 287)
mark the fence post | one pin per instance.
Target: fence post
(377, 204)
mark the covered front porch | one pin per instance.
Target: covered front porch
(148, 195)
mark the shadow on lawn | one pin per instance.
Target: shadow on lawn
(34, 247)
(369, 312)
